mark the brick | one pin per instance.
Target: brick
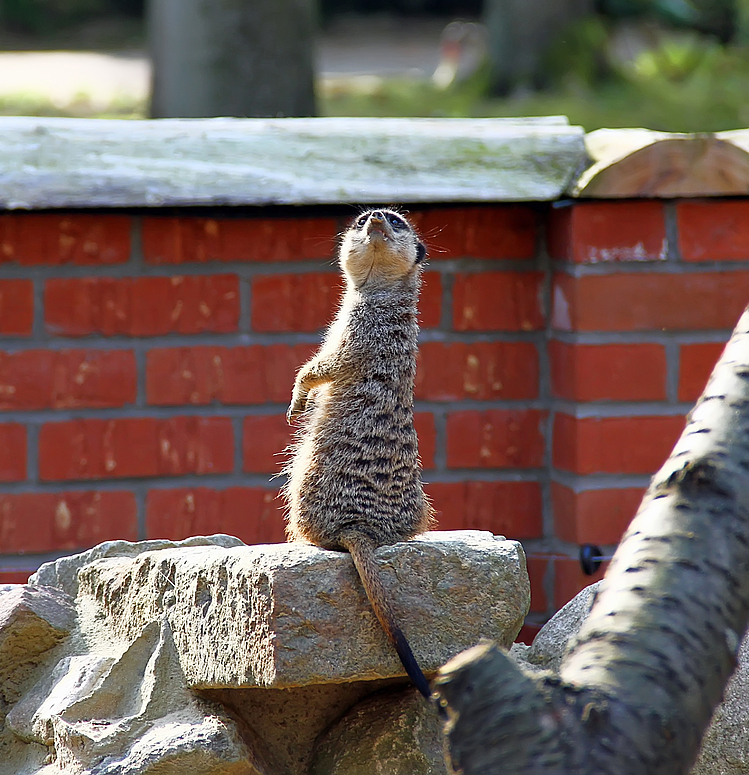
(614, 445)
(647, 302)
(715, 230)
(142, 306)
(72, 238)
(498, 301)
(12, 452)
(47, 522)
(593, 516)
(265, 438)
(189, 239)
(512, 509)
(569, 579)
(608, 372)
(696, 363)
(14, 577)
(252, 514)
(16, 307)
(309, 301)
(528, 633)
(538, 565)
(229, 375)
(495, 438)
(479, 370)
(427, 433)
(482, 231)
(294, 302)
(133, 447)
(430, 300)
(598, 232)
(67, 379)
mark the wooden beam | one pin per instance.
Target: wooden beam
(57, 162)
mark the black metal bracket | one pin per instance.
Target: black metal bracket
(591, 557)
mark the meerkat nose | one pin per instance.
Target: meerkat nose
(376, 215)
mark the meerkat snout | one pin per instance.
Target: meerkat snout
(381, 247)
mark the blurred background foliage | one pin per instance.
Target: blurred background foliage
(675, 65)
(40, 17)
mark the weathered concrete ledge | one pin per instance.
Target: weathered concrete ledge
(59, 162)
(208, 656)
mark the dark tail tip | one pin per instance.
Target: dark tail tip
(408, 660)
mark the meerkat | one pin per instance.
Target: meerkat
(354, 479)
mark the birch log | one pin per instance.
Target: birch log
(637, 687)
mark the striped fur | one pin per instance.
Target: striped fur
(354, 480)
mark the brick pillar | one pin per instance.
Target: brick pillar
(644, 295)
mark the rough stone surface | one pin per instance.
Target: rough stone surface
(551, 642)
(207, 656)
(292, 615)
(289, 721)
(63, 573)
(393, 732)
(127, 714)
(725, 746)
(32, 621)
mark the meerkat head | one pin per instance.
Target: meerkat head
(380, 247)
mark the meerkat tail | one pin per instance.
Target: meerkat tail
(362, 553)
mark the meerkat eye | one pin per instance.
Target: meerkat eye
(362, 220)
(396, 222)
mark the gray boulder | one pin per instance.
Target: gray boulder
(288, 615)
(725, 746)
(208, 656)
(32, 621)
(393, 732)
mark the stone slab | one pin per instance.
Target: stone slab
(288, 615)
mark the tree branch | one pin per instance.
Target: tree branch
(638, 685)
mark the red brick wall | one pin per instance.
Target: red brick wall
(147, 361)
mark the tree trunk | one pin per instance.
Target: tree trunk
(231, 58)
(742, 23)
(520, 32)
(638, 686)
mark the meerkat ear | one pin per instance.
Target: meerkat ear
(421, 252)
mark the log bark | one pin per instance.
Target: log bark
(231, 58)
(639, 163)
(638, 686)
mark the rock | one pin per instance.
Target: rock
(393, 732)
(130, 714)
(63, 573)
(32, 621)
(207, 656)
(725, 745)
(305, 608)
(550, 643)
(289, 721)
